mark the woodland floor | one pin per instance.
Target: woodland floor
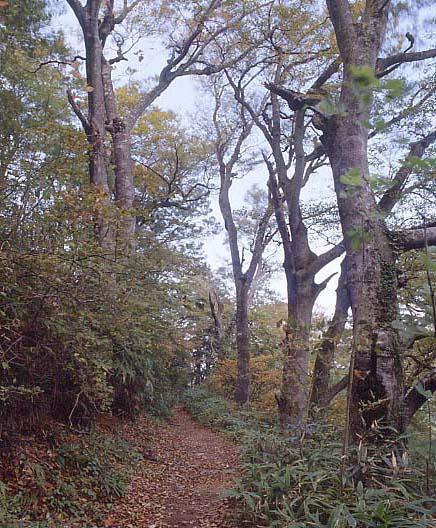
(186, 466)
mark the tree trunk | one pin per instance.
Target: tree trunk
(96, 103)
(243, 279)
(377, 380)
(98, 173)
(103, 117)
(217, 309)
(377, 377)
(301, 265)
(122, 164)
(197, 377)
(320, 394)
(124, 188)
(294, 393)
(242, 343)
(94, 123)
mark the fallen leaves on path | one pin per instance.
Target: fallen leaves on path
(186, 466)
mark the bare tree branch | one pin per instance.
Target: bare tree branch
(76, 109)
(404, 113)
(393, 194)
(414, 238)
(126, 10)
(401, 58)
(415, 398)
(337, 388)
(55, 61)
(327, 257)
(191, 52)
(239, 96)
(331, 69)
(78, 10)
(259, 242)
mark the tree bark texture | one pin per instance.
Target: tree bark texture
(325, 353)
(242, 343)
(377, 377)
(217, 309)
(95, 128)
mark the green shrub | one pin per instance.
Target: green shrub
(213, 410)
(80, 337)
(76, 481)
(286, 484)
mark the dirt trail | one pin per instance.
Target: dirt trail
(185, 469)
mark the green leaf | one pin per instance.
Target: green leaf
(358, 238)
(328, 108)
(419, 387)
(364, 77)
(395, 88)
(352, 177)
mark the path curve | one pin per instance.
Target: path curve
(186, 466)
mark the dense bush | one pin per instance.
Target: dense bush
(265, 377)
(84, 328)
(71, 478)
(290, 484)
(79, 337)
(211, 409)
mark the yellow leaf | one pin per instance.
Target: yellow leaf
(89, 88)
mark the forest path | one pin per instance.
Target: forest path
(185, 468)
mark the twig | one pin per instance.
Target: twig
(58, 62)
(74, 408)
(76, 109)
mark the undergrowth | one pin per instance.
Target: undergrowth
(285, 484)
(64, 480)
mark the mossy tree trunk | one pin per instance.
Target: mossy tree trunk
(377, 377)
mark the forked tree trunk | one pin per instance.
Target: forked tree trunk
(95, 127)
(122, 165)
(103, 118)
(243, 280)
(320, 394)
(301, 265)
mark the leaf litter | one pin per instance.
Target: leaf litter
(180, 480)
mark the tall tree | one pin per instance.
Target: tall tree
(377, 380)
(205, 24)
(289, 168)
(377, 377)
(229, 142)
(378, 394)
